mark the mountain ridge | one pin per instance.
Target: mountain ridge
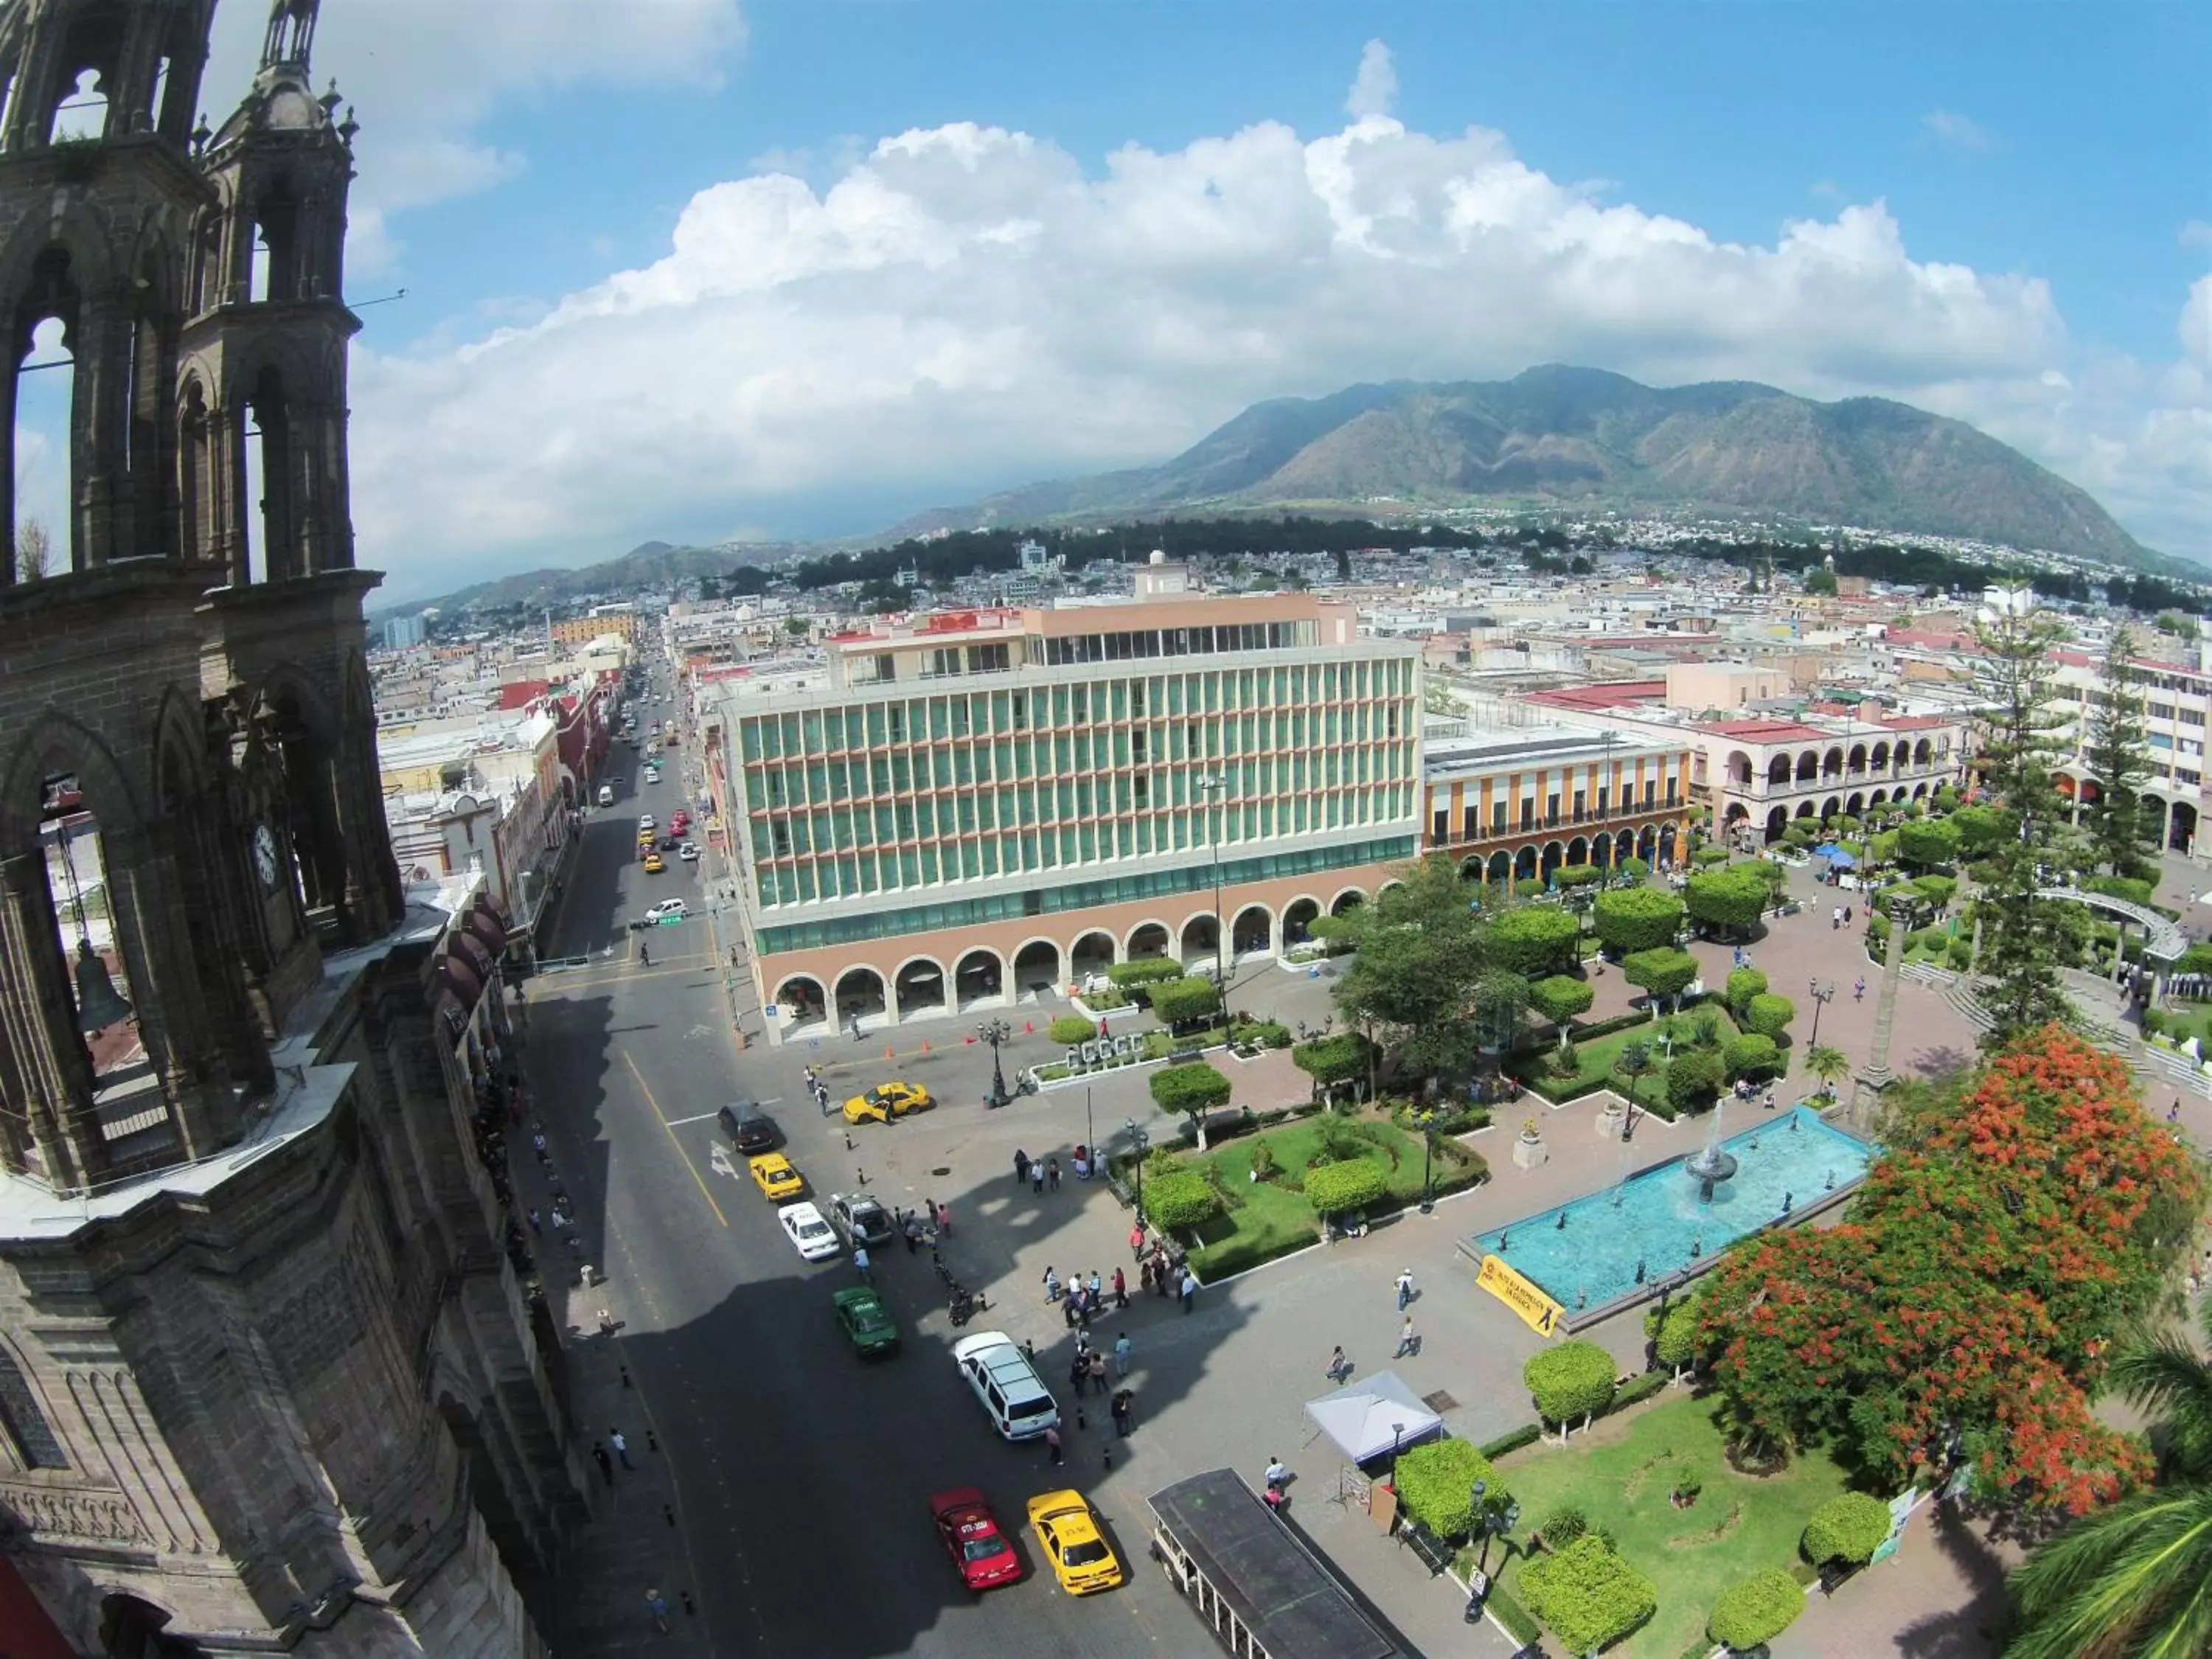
(1559, 435)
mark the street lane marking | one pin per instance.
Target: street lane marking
(674, 1141)
(678, 1122)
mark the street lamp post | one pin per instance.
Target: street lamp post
(995, 1032)
(1143, 1144)
(1428, 1146)
(1819, 993)
(1499, 1514)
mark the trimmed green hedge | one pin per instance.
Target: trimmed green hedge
(1071, 1029)
(1693, 1078)
(1588, 1596)
(1637, 1390)
(1145, 970)
(1516, 1619)
(1849, 1527)
(1513, 1439)
(1181, 1197)
(1572, 1380)
(1436, 1481)
(1351, 1184)
(1753, 1056)
(1757, 1609)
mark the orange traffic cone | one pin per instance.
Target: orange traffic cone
(1029, 1027)
(887, 1051)
(925, 1045)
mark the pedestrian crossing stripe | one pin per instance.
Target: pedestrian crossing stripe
(1537, 1311)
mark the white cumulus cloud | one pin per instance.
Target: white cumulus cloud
(966, 308)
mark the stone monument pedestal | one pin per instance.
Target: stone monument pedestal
(1528, 1154)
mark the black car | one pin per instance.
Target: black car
(750, 1130)
(861, 1220)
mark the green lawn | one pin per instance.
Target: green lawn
(1622, 1477)
(1274, 1214)
(1599, 1055)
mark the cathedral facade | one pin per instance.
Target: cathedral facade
(276, 1374)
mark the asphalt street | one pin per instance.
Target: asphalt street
(803, 1472)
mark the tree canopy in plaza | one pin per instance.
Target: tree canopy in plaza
(1731, 899)
(1638, 919)
(1993, 1251)
(1412, 985)
(1532, 941)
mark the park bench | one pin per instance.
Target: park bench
(1436, 1552)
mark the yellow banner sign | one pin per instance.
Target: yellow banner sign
(1538, 1311)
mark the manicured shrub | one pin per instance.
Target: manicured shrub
(1743, 984)
(1756, 1610)
(1664, 972)
(1849, 1527)
(1436, 1484)
(1071, 1029)
(1577, 875)
(1706, 857)
(1561, 997)
(1588, 1596)
(1513, 1440)
(1144, 970)
(1183, 1198)
(1731, 899)
(1751, 1056)
(1348, 1184)
(1769, 1015)
(1693, 1078)
(1535, 939)
(1638, 1389)
(1181, 1001)
(1573, 1380)
(1636, 919)
(1675, 1336)
(1191, 1090)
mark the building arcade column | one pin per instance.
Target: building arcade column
(52, 1061)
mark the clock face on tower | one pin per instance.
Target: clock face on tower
(264, 855)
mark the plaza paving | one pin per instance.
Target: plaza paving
(780, 1460)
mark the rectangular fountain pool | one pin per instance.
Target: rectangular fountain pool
(1658, 1220)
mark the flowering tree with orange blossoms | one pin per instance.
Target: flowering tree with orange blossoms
(1965, 1303)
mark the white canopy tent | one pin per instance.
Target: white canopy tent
(1367, 1417)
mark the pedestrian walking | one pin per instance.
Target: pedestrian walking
(1278, 1475)
(1098, 1289)
(2173, 1112)
(860, 1261)
(913, 1234)
(1407, 1342)
(1102, 1028)
(1338, 1365)
(1021, 1166)
(944, 1219)
(1405, 1289)
(1051, 1172)
(535, 1225)
(1858, 990)
(1070, 1310)
(1052, 1445)
(1847, 916)
(1121, 1351)
(606, 1463)
(1051, 1285)
(1120, 1289)
(1122, 1412)
(621, 1447)
(1098, 1372)
(1835, 921)
(1189, 1289)
(644, 954)
(656, 1609)
(1137, 1241)
(1144, 1275)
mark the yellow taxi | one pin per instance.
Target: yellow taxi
(1067, 1531)
(885, 1101)
(645, 839)
(772, 1174)
(653, 866)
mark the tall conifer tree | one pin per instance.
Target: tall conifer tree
(2118, 753)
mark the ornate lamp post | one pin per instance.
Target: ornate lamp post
(1143, 1144)
(995, 1032)
(1215, 786)
(1497, 1515)
(1428, 1147)
(1819, 993)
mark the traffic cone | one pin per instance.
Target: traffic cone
(925, 1045)
(1029, 1028)
(887, 1051)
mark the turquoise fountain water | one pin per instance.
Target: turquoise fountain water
(1614, 1243)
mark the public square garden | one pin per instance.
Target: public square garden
(1998, 1313)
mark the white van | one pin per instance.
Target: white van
(606, 794)
(1020, 1407)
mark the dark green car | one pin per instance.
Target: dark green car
(865, 1321)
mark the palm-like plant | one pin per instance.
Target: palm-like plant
(1826, 1064)
(2136, 1579)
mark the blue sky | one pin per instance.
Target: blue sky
(1117, 223)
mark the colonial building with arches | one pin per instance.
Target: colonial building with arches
(1514, 807)
(271, 1380)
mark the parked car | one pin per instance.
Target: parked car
(885, 1101)
(861, 1220)
(1067, 1530)
(689, 853)
(1006, 1385)
(867, 1324)
(772, 1174)
(982, 1555)
(809, 1233)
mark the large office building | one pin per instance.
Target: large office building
(975, 806)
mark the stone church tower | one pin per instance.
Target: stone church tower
(275, 1373)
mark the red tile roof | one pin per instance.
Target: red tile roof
(520, 693)
(1611, 695)
(1769, 731)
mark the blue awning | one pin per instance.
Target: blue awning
(1836, 856)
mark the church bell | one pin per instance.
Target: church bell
(98, 1003)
